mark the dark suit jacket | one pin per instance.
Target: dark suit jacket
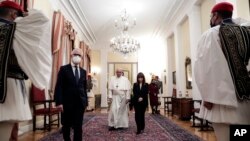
(159, 84)
(137, 93)
(73, 96)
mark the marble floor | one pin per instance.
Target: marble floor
(205, 135)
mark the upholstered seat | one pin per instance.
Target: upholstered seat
(48, 111)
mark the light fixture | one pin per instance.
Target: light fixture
(95, 70)
(124, 44)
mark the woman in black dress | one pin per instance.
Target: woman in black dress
(140, 101)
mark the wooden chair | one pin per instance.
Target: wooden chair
(204, 124)
(47, 110)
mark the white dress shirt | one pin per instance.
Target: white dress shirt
(73, 68)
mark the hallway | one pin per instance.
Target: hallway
(205, 135)
(175, 42)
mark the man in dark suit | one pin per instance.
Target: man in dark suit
(159, 84)
(71, 96)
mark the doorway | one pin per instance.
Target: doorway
(130, 69)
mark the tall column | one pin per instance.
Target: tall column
(195, 34)
(180, 64)
(169, 66)
(104, 61)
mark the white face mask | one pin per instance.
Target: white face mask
(76, 59)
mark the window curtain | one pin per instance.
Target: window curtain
(86, 63)
(88, 67)
(68, 41)
(72, 36)
(61, 44)
(82, 48)
(26, 4)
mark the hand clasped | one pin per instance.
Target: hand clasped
(140, 99)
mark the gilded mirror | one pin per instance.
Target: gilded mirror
(188, 69)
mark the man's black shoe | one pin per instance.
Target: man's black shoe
(111, 128)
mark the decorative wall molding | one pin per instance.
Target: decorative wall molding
(83, 19)
(176, 15)
(165, 18)
(73, 13)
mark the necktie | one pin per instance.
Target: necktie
(76, 74)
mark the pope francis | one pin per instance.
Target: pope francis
(119, 95)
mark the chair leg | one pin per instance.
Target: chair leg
(168, 109)
(49, 122)
(202, 129)
(44, 122)
(58, 120)
(164, 109)
(34, 123)
(207, 125)
(193, 120)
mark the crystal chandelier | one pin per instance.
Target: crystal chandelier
(124, 44)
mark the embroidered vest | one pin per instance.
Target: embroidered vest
(8, 62)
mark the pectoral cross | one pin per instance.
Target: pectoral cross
(117, 86)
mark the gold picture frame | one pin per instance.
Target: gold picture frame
(188, 70)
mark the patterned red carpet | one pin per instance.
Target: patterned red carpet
(158, 128)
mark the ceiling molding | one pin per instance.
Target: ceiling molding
(179, 12)
(164, 18)
(83, 19)
(78, 18)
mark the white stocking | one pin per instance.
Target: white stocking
(221, 131)
(5, 130)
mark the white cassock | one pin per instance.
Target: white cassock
(215, 85)
(119, 91)
(32, 46)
